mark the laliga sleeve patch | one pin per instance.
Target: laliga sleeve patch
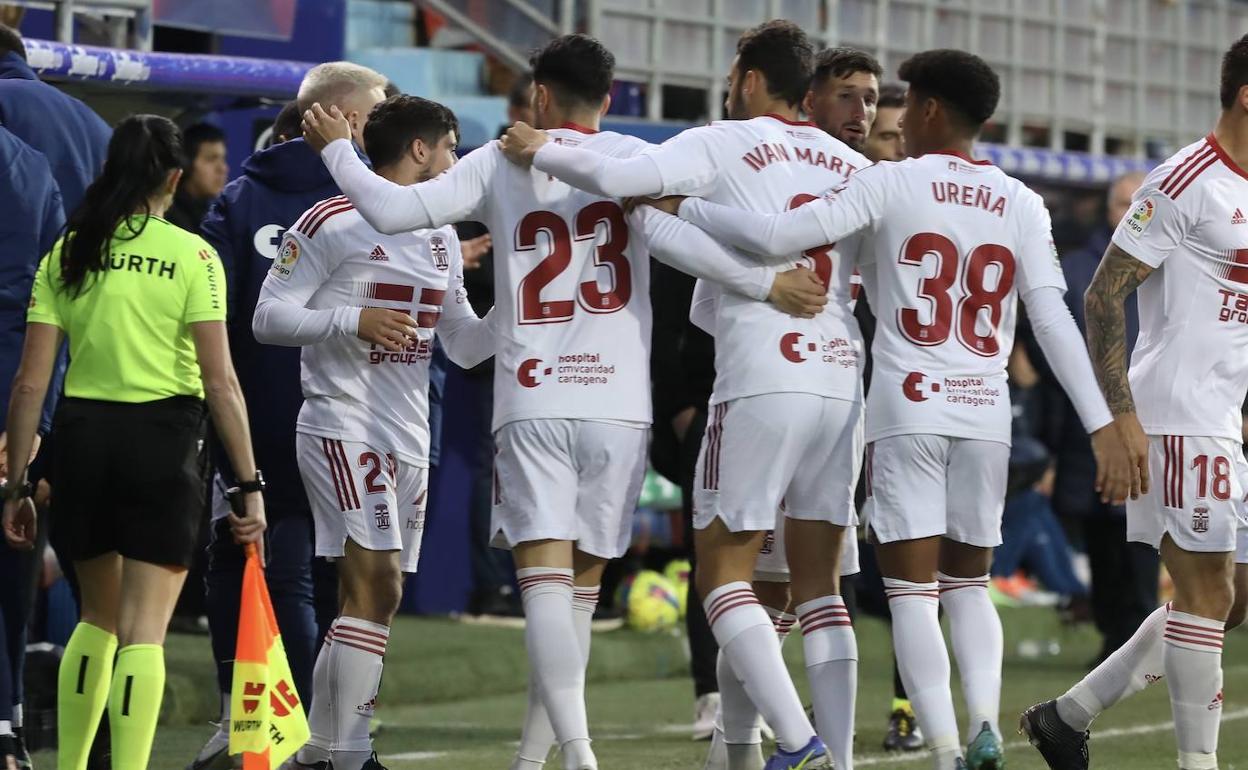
(1141, 216)
(284, 265)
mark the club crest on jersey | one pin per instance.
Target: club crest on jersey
(284, 265)
(916, 387)
(441, 255)
(1200, 519)
(532, 373)
(1141, 216)
(381, 516)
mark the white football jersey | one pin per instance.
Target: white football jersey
(354, 390)
(769, 164)
(954, 244)
(572, 301)
(1189, 221)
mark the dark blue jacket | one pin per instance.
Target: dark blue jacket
(245, 224)
(31, 223)
(69, 133)
(1074, 490)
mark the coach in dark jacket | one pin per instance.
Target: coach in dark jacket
(68, 133)
(1124, 575)
(31, 223)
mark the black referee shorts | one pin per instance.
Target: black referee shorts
(128, 478)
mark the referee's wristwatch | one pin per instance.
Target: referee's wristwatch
(11, 490)
(255, 485)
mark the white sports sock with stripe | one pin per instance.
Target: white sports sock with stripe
(320, 714)
(537, 737)
(831, 651)
(978, 645)
(1193, 660)
(923, 661)
(357, 650)
(1131, 668)
(738, 717)
(556, 660)
(747, 637)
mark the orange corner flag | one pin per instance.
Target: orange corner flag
(267, 722)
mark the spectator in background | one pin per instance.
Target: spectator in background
(68, 133)
(204, 177)
(1124, 575)
(520, 100)
(885, 142)
(33, 218)
(245, 224)
(287, 125)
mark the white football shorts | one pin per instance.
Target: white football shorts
(1196, 494)
(773, 563)
(798, 449)
(922, 485)
(565, 479)
(364, 493)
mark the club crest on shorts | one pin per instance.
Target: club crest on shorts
(1200, 519)
(441, 255)
(381, 516)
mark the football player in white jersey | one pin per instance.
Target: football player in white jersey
(365, 307)
(792, 386)
(952, 244)
(1184, 246)
(572, 379)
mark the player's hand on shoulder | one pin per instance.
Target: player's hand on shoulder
(521, 143)
(798, 292)
(389, 328)
(669, 204)
(321, 127)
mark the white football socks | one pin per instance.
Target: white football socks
(538, 736)
(832, 666)
(556, 660)
(1131, 668)
(738, 717)
(978, 645)
(1193, 662)
(924, 663)
(345, 681)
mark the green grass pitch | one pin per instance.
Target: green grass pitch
(452, 698)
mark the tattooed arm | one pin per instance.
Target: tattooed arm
(1118, 275)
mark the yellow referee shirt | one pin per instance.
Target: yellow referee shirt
(129, 333)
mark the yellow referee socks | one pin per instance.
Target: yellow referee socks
(134, 704)
(82, 691)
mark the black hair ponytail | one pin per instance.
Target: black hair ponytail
(142, 152)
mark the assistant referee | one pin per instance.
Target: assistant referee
(142, 303)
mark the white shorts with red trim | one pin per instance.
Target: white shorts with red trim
(363, 493)
(1196, 494)
(773, 563)
(923, 485)
(564, 479)
(797, 448)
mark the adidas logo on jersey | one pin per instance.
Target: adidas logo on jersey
(1238, 217)
(378, 255)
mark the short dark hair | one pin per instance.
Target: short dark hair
(781, 51)
(892, 95)
(842, 62)
(962, 81)
(1234, 71)
(197, 136)
(287, 123)
(11, 42)
(576, 67)
(518, 95)
(400, 120)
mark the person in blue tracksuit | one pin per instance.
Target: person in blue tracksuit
(68, 133)
(32, 221)
(245, 224)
